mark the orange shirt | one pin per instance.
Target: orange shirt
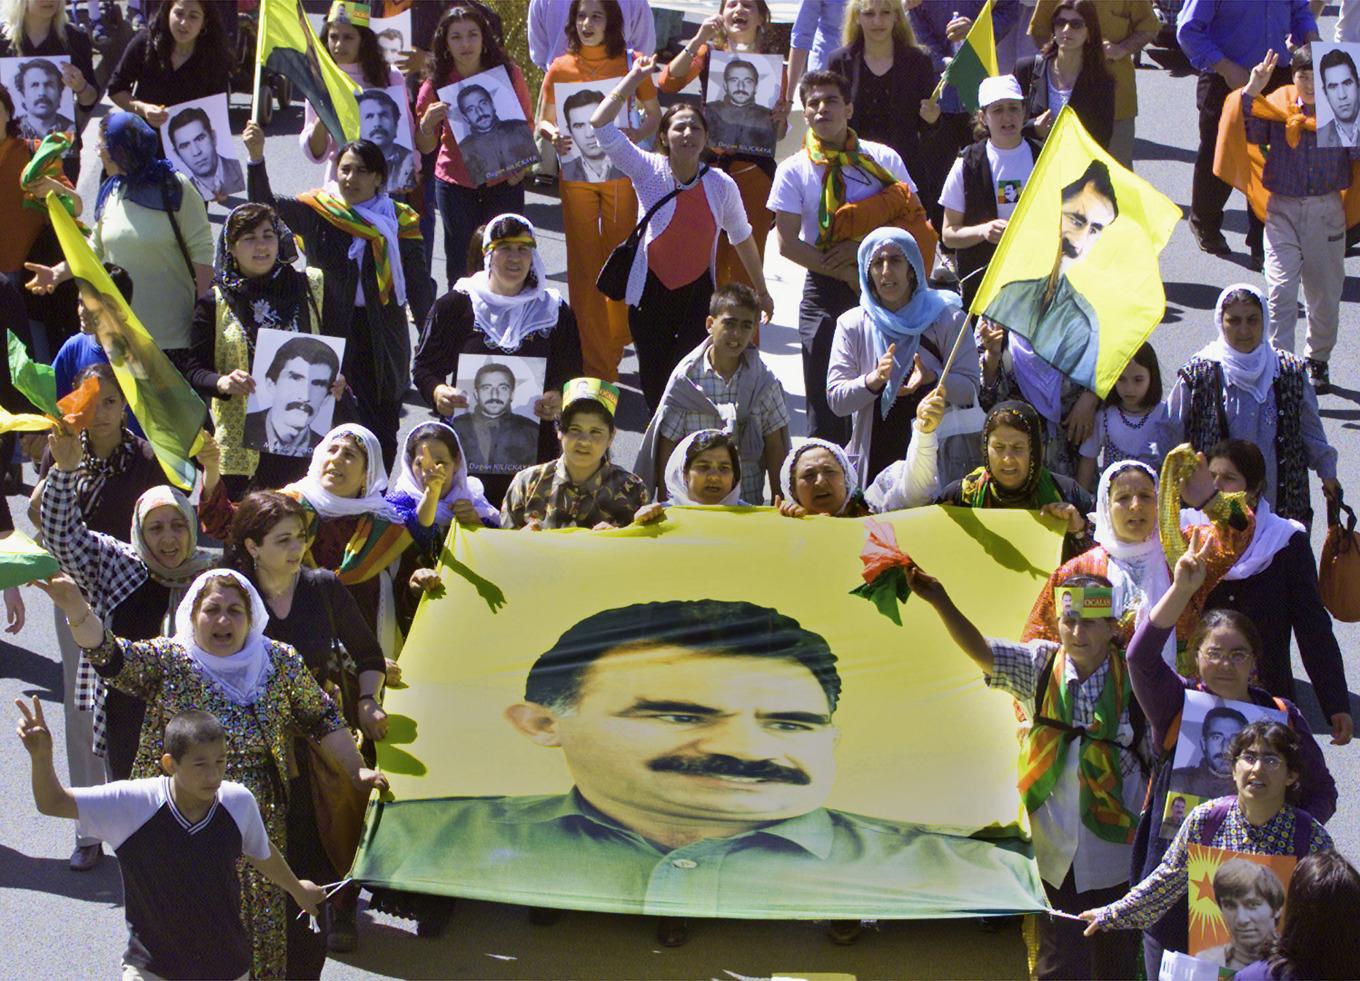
(21, 224)
(672, 255)
(588, 65)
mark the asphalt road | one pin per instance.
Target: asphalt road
(63, 924)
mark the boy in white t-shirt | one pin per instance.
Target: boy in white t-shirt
(832, 284)
(985, 183)
(177, 838)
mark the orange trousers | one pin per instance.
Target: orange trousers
(755, 191)
(595, 218)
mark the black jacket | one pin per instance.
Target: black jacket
(1092, 98)
(911, 78)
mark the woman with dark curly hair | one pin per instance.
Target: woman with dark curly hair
(1070, 70)
(181, 56)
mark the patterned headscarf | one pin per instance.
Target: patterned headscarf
(982, 490)
(277, 299)
(240, 676)
(791, 461)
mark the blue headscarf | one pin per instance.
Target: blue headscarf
(147, 177)
(902, 327)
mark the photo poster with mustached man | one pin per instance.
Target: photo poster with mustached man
(499, 429)
(615, 710)
(1201, 766)
(394, 35)
(489, 125)
(43, 103)
(1236, 902)
(742, 92)
(385, 119)
(198, 144)
(292, 406)
(1336, 82)
(576, 102)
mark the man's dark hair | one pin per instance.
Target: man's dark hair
(733, 296)
(490, 368)
(710, 626)
(378, 95)
(741, 63)
(392, 32)
(309, 349)
(1221, 712)
(41, 64)
(189, 729)
(823, 79)
(469, 89)
(1333, 58)
(194, 114)
(1098, 174)
(585, 97)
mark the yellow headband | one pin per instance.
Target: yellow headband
(509, 240)
(591, 388)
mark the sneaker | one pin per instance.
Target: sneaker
(1317, 371)
(86, 857)
(1211, 242)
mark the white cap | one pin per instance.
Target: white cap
(994, 88)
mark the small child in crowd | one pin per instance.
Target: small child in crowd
(178, 838)
(1133, 424)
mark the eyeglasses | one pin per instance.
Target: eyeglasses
(1268, 760)
(1215, 656)
(1076, 23)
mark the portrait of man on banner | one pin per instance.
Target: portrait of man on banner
(1337, 81)
(1063, 327)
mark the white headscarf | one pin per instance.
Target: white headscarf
(1137, 570)
(240, 676)
(677, 487)
(506, 321)
(1253, 373)
(381, 213)
(460, 487)
(330, 505)
(786, 471)
(1272, 534)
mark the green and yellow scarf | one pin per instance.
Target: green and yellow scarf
(1102, 780)
(333, 208)
(835, 160)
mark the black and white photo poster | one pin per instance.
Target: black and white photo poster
(43, 103)
(742, 92)
(292, 405)
(489, 125)
(499, 429)
(197, 138)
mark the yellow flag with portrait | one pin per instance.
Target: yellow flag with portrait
(1076, 271)
(704, 717)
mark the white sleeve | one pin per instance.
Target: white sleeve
(785, 193)
(891, 161)
(951, 196)
(113, 811)
(240, 804)
(733, 213)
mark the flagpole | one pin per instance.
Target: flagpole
(259, 67)
(965, 331)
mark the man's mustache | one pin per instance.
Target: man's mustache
(493, 403)
(300, 407)
(1069, 249)
(718, 765)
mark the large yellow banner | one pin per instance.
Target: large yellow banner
(699, 718)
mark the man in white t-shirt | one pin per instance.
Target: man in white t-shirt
(832, 284)
(974, 220)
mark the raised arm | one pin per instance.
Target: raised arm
(623, 91)
(49, 795)
(961, 629)
(92, 559)
(296, 215)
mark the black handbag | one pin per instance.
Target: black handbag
(613, 278)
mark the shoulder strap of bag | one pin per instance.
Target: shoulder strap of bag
(1218, 813)
(642, 225)
(179, 237)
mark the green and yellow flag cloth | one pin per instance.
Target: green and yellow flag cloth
(710, 742)
(22, 560)
(287, 44)
(37, 382)
(1075, 272)
(974, 61)
(170, 412)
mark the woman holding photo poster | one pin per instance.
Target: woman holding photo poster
(597, 214)
(1261, 818)
(504, 309)
(39, 28)
(181, 57)
(670, 282)
(254, 285)
(464, 45)
(355, 48)
(1226, 647)
(373, 257)
(738, 26)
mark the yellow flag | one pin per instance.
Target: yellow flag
(1076, 271)
(287, 44)
(169, 411)
(974, 61)
(578, 703)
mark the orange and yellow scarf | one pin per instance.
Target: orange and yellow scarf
(334, 209)
(835, 160)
